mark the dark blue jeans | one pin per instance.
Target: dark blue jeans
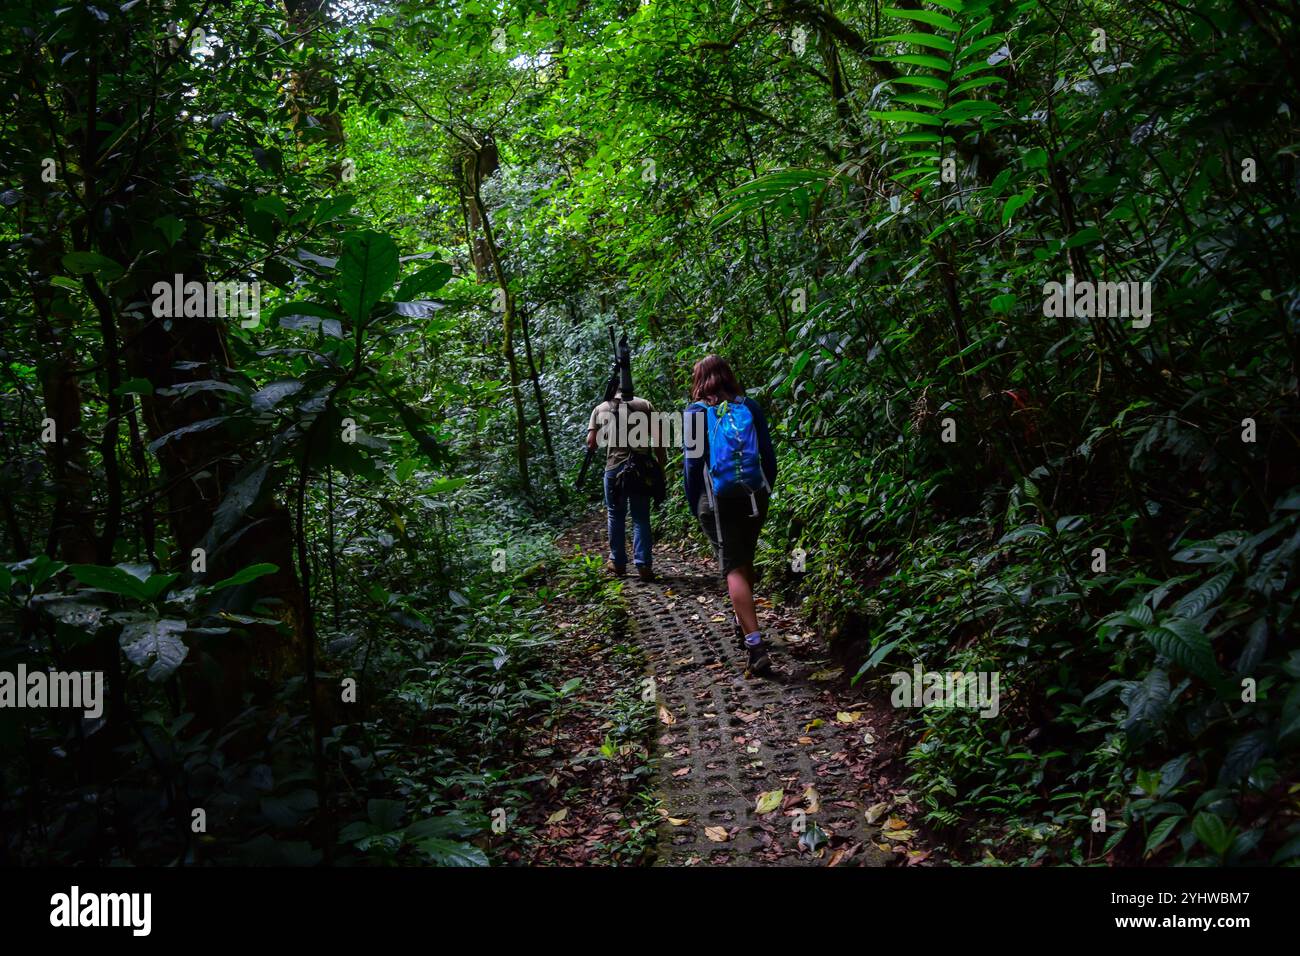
(616, 508)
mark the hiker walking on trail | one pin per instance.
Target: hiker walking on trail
(629, 430)
(730, 469)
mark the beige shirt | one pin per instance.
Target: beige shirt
(622, 427)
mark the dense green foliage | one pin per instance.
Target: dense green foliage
(861, 205)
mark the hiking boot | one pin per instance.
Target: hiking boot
(644, 573)
(759, 663)
(618, 570)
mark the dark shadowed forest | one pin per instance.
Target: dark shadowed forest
(305, 306)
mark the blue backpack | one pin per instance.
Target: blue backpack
(735, 466)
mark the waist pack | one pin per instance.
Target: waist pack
(641, 475)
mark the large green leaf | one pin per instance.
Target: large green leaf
(929, 17)
(1198, 600)
(1183, 642)
(112, 579)
(1146, 702)
(1211, 831)
(92, 263)
(368, 268)
(424, 282)
(243, 576)
(155, 644)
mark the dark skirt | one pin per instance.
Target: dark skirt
(740, 529)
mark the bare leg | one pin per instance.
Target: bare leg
(740, 586)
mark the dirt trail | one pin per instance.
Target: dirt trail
(725, 738)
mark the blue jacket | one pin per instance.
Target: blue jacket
(694, 467)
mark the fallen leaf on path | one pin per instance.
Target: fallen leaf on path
(829, 673)
(769, 800)
(812, 799)
(665, 716)
(812, 723)
(805, 740)
(675, 821)
(847, 717)
(876, 811)
(717, 834)
(894, 823)
(558, 815)
(900, 836)
(682, 772)
(917, 856)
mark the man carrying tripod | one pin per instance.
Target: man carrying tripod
(627, 428)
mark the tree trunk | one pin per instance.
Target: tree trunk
(471, 165)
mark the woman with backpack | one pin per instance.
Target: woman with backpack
(730, 469)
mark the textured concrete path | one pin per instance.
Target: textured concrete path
(726, 738)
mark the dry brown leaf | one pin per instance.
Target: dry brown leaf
(717, 834)
(665, 716)
(675, 821)
(812, 799)
(876, 811)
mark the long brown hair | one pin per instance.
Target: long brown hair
(712, 380)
